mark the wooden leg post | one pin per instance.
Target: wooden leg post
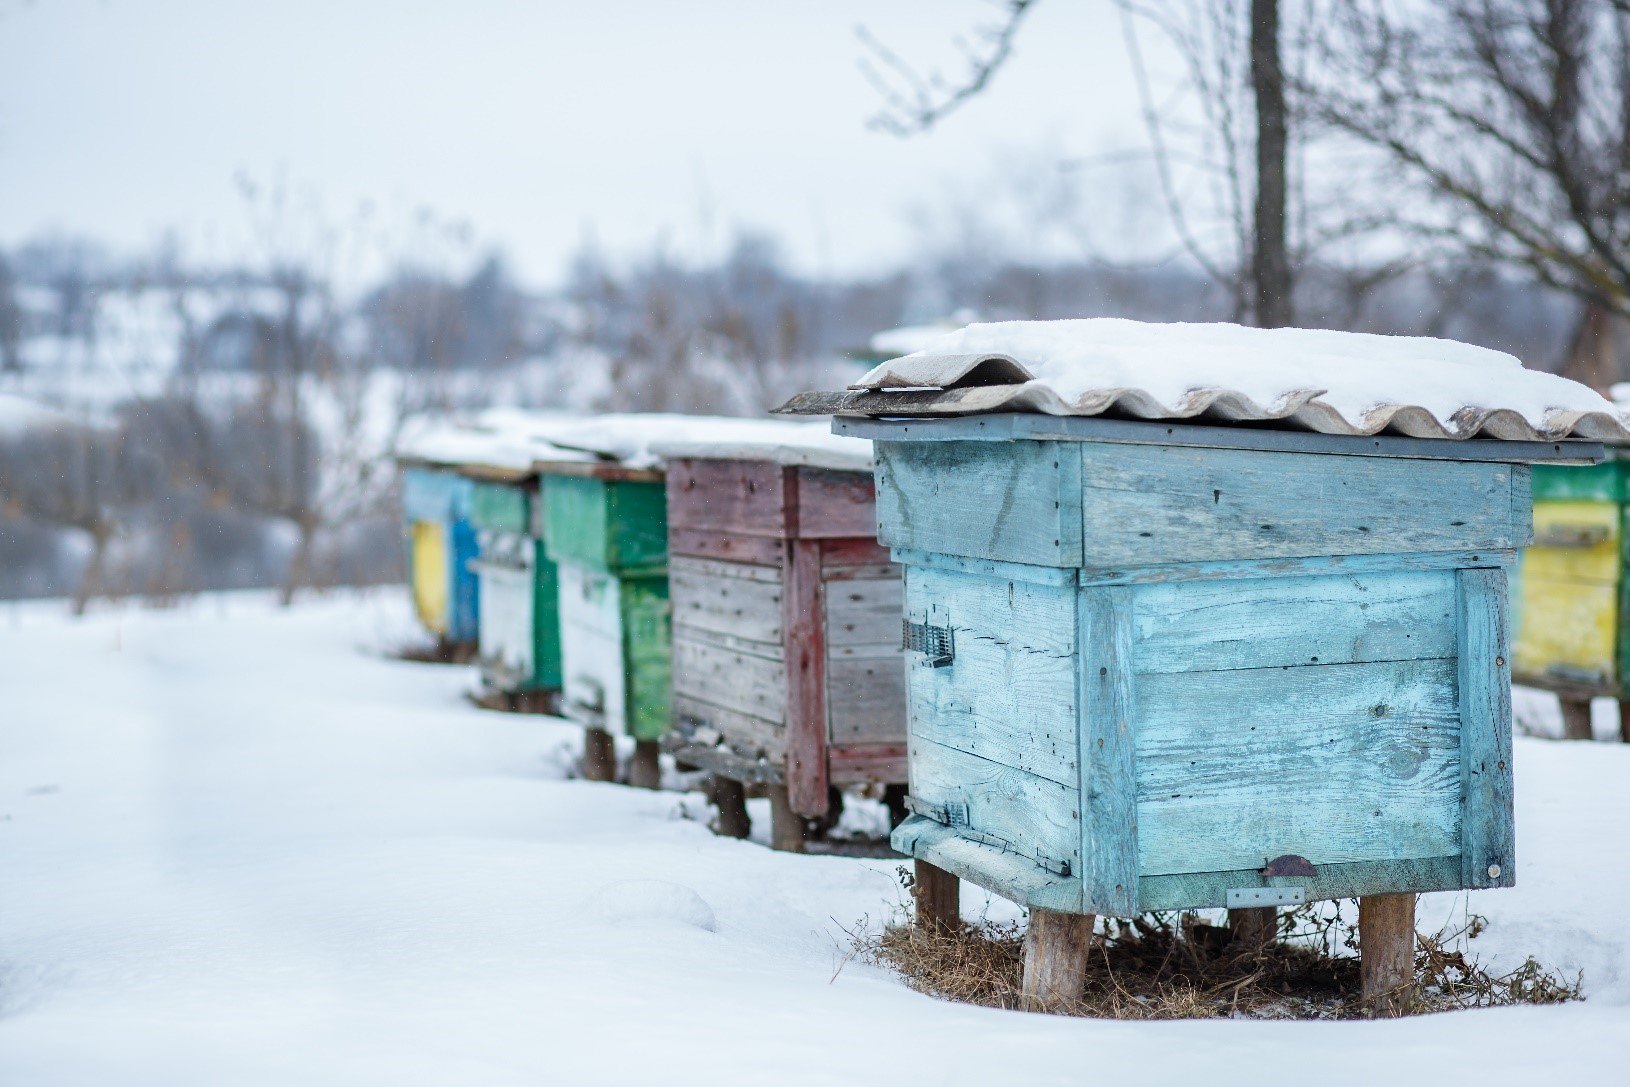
(1056, 946)
(1386, 946)
(1576, 719)
(599, 755)
(894, 798)
(645, 770)
(788, 829)
(939, 899)
(1624, 720)
(731, 799)
(1254, 927)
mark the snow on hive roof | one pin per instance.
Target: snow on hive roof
(648, 440)
(1331, 382)
(501, 438)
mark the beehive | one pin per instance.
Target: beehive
(519, 645)
(1571, 610)
(441, 543)
(786, 635)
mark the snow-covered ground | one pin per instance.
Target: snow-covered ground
(241, 845)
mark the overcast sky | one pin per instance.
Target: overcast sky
(538, 123)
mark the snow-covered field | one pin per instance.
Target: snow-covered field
(241, 845)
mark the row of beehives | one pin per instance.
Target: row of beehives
(1144, 673)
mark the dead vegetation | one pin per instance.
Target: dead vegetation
(1179, 966)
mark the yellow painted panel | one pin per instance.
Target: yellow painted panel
(429, 574)
(1570, 624)
(1574, 541)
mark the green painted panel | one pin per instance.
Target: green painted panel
(501, 507)
(647, 656)
(1602, 482)
(606, 525)
(545, 620)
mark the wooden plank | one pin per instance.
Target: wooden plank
(747, 735)
(1007, 571)
(805, 682)
(1335, 763)
(647, 633)
(1010, 692)
(998, 426)
(1039, 819)
(753, 498)
(1354, 565)
(1009, 502)
(864, 611)
(852, 764)
(1569, 631)
(1056, 949)
(728, 547)
(1522, 504)
(1600, 482)
(1386, 944)
(1209, 890)
(506, 640)
(834, 504)
(853, 551)
(866, 699)
(732, 601)
(428, 573)
(545, 620)
(734, 680)
(608, 525)
(1267, 622)
(1488, 835)
(938, 897)
(592, 662)
(996, 870)
(1575, 541)
(1144, 505)
(500, 507)
(1109, 782)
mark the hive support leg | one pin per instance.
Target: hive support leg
(1056, 946)
(788, 829)
(1576, 719)
(731, 799)
(1624, 720)
(1253, 927)
(645, 769)
(599, 755)
(1386, 946)
(939, 899)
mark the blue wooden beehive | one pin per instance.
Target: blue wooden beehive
(441, 543)
(1157, 666)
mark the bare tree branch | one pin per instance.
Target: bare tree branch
(913, 102)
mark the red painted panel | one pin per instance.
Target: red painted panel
(751, 497)
(731, 547)
(835, 504)
(855, 763)
(805, 655)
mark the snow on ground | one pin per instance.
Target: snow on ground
(241, 845)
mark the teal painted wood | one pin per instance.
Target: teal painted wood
(999, 871)
(1016, 502)
(1188, 626)
(1010, 693)
(1160, 504)
(501, 507)
(617, 526)
(1109, 795)
(1204, 890)
(1487, 824)
(1335, 763)
(429, 495)
(1522, 505)
(1009, 571)
(1036, 818)
(1305, 567)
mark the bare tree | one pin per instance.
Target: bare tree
(1502, 129)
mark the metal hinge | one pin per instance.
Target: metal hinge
(934, 643)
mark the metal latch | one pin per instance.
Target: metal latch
(1244, 898)
(934, 643)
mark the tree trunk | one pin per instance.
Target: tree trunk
(300, 564)
(1270, 265)
(91, 581)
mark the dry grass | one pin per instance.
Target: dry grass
(1177, 966)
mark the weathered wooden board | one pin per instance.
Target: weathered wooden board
(508, 642)
(753, 498)
(1015, 502)
(1038, 818)
(647, 632)
(429, 568)
(1603, 482)
(1570, 630)
(1269, 622)
(1575, 541)
(429, 495)
(1011, 875)
(745, 734)
(727, 547)
(1201, 890)
(1109, 784)
(863, 611)
(853, 764)
(805, 685)
(866, 698)
(835, 505)
(1009, 694)
(736, 602)
(729, 678)
(1157, 504)
(852, 554)
(593, 662)
(1335, 763)
(501, 507)
(1488, 831)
